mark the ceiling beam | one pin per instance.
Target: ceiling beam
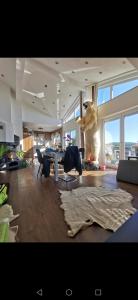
(19, 78)
(134, 61)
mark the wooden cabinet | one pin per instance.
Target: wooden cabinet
(28, 145)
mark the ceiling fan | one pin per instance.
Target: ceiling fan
(37, 95)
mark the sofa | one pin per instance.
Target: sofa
(128, 171)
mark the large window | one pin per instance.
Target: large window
(131, 135)
(103, 95)
(121, 88)
(120, 138)
(112, 142)
(107, 93)
(73, 134)
(73, 111)
(77, 111)
(67, 138)
(70, 138)
(74, 114)
(71, 117)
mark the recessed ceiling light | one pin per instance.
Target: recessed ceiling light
(45, 85)
(70, 95)
(53, 102)
(86, 79)
(56, 62)
(123, 62)
(100, 72)
(73, 72)
(33, 102)
(86, 62)
(43, 108)
(63, 105)
(59, 91)
(2, 75)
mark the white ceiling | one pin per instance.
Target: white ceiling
(50, 71)
(8, 69)
(134, 61)
(40, 127)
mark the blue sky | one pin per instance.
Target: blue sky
(112, 130)
(131, 128)
(118, 89)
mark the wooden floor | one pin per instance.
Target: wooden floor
(41, 218)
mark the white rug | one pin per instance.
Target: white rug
(12, 234)
(6, 212)
(83, 206)
(6, 215)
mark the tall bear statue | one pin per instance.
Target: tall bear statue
(89, 125)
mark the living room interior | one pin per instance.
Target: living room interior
(68, 149)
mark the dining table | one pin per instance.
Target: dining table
(57, 156)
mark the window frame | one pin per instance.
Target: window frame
(105, 121)
(69, 133)
(77, 109)
(110, 85)
(121, 116)
(127, 115)
(122, 83)
(104, 87)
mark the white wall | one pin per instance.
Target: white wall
(88, 93)
(32, 115)
(10, 113)
(5, 111)
(16, 116)
(2, 132)
(5, 104)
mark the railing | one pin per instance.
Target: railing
(72, 108)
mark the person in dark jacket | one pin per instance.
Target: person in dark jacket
(72, 160)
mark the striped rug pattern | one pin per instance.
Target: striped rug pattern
(83, 206)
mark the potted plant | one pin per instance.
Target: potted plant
(71, 141)
(23, 163)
